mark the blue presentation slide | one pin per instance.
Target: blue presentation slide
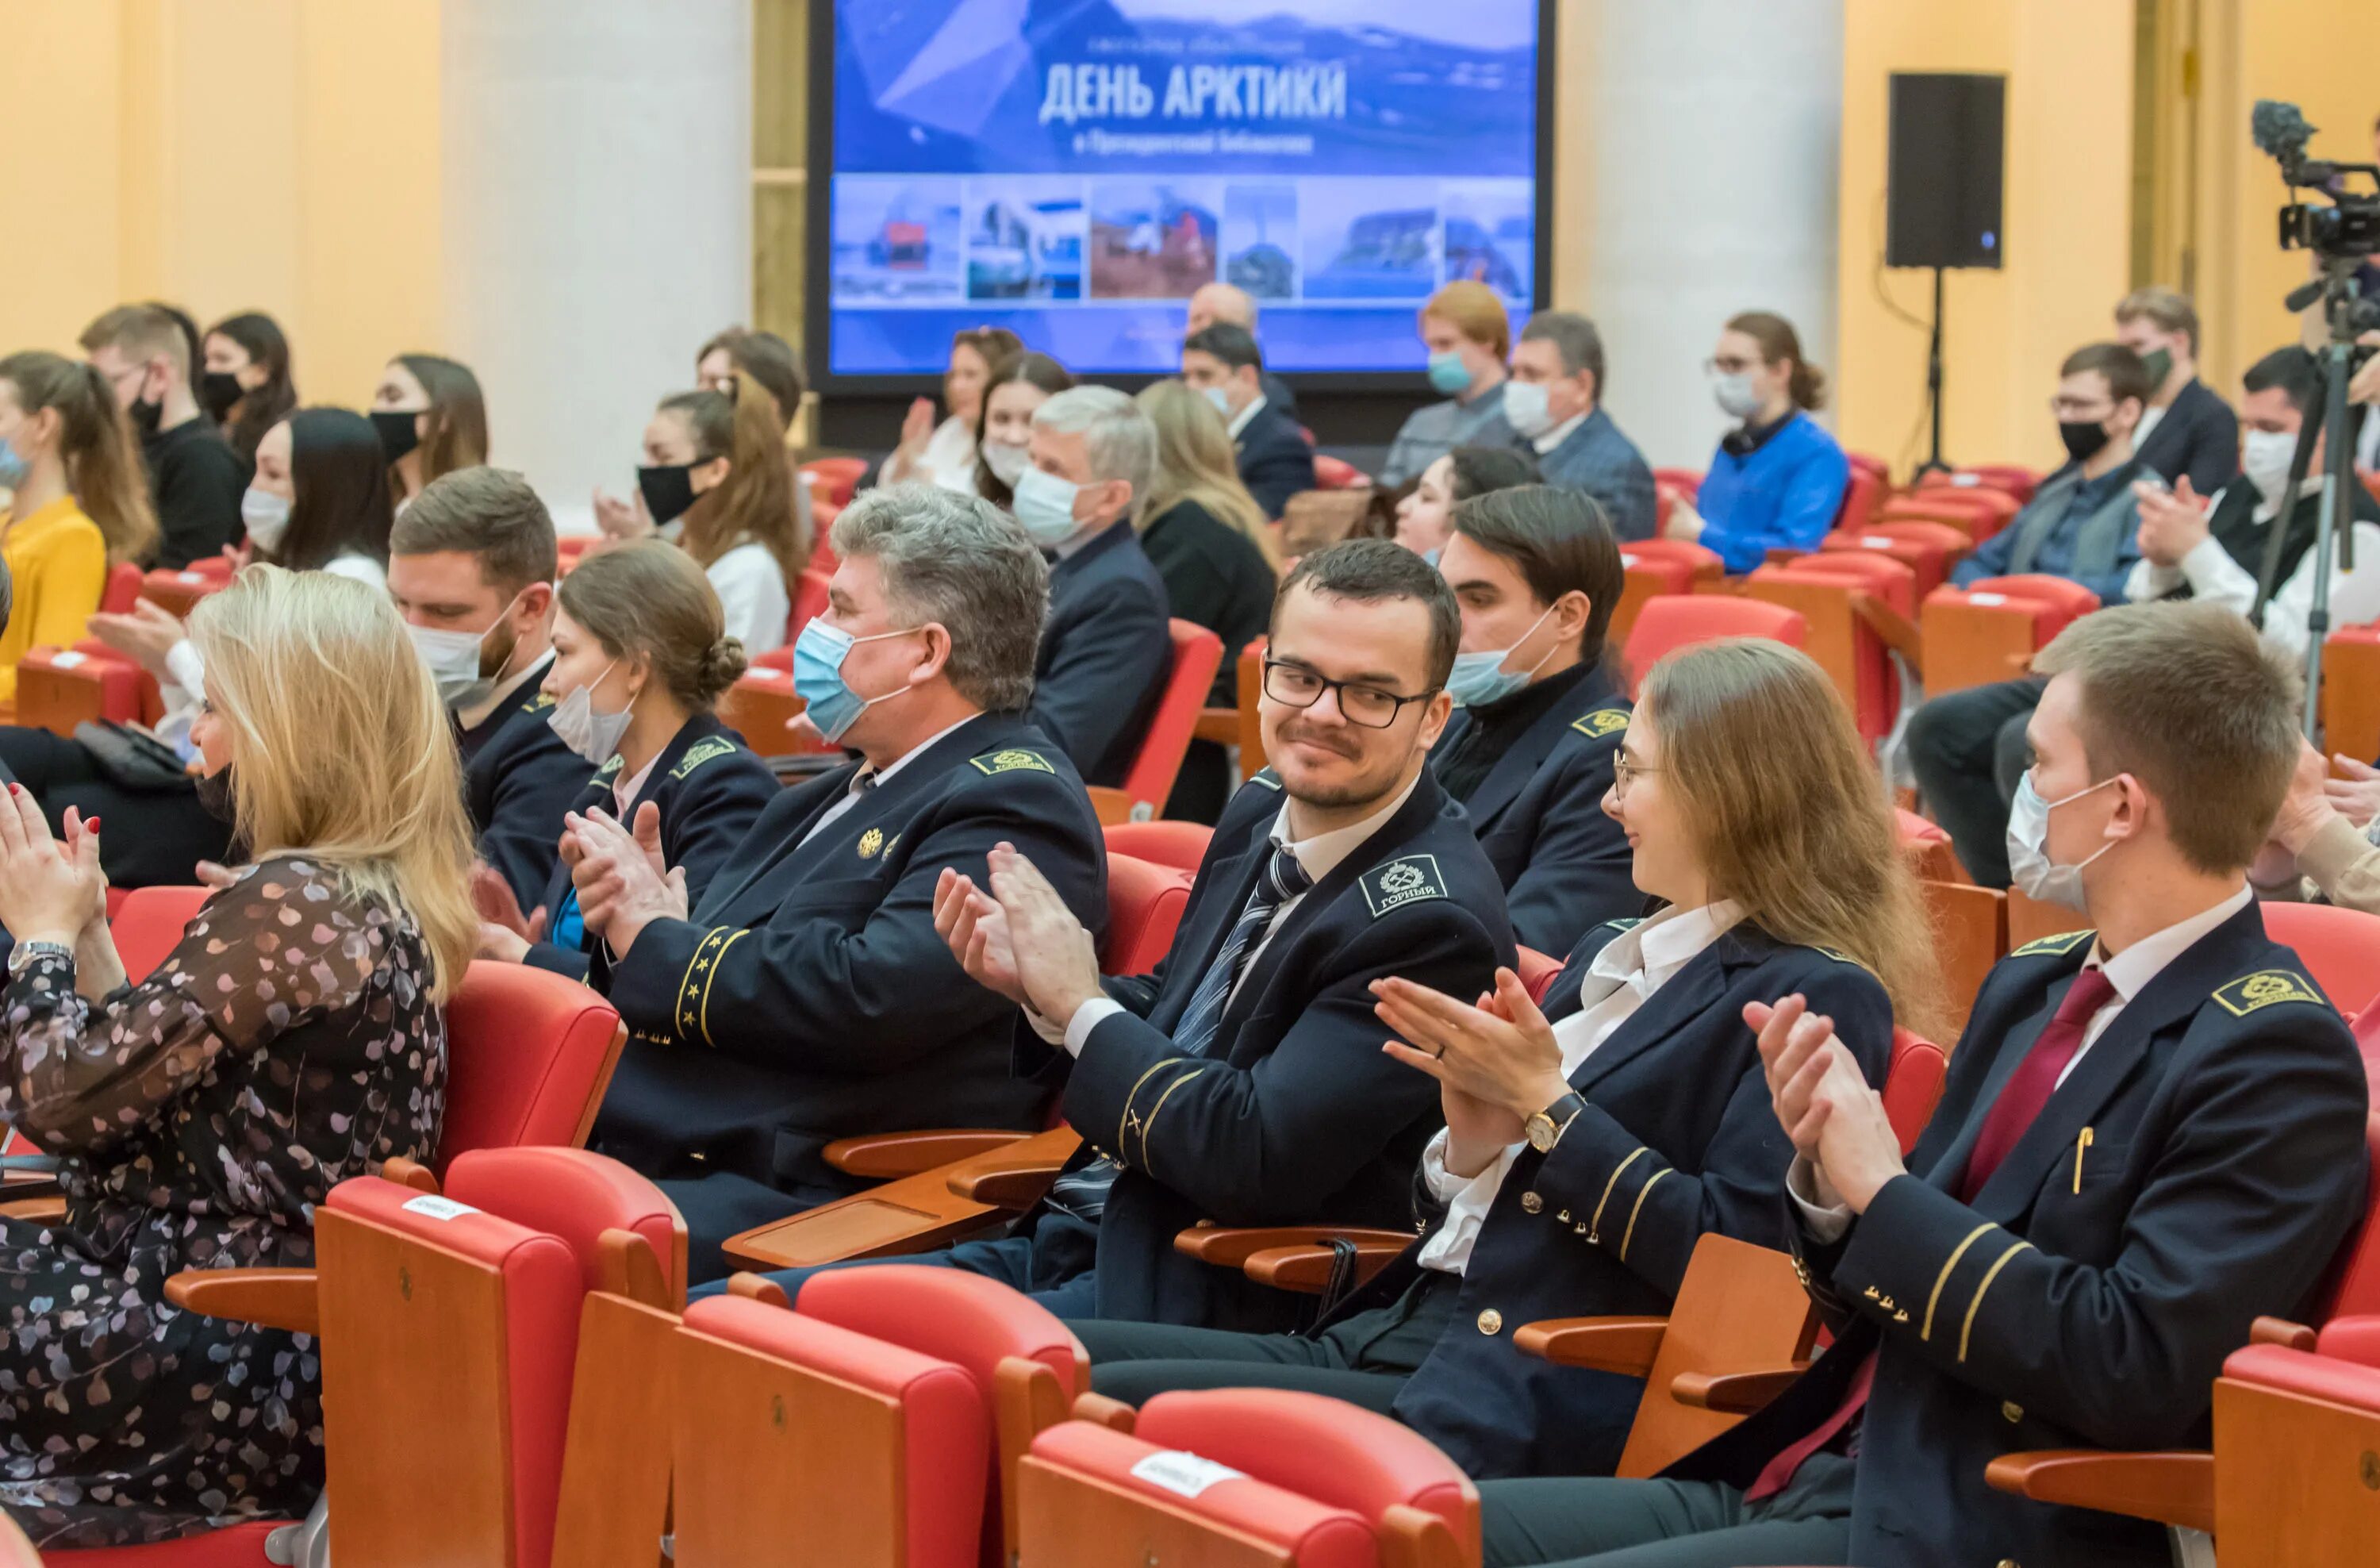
(1072, 169)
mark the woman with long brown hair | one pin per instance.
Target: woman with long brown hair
(246, 382)
(1003, 424)
(944, 454)
(1592, 1141)
(432, 420)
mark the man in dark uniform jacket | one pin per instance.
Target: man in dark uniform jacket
(2151, 1134)
(807, 997)
(1276, 460)
(1242, 1082)
(2187, 432)
(196, 481)
(1102, 668)
(471, 568)
(1529, 752)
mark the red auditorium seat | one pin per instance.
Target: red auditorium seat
(1337, 473)
(810, 595)
(123, 589)
(529, 1056)
(832, 479)
(1181, 845)
(2339, 947)
(1538, 971)
(2286, 1494)
(1927, 846)
(2350, 692)
(1197, 655)
(60, 688)
(1849, 601)
(149, 925)
(1990, 629)
(1669, 624)
(2019, 483)
(1928, 549)
(1246, 1475)
(1861, 496)
(178, 591)
(1913, 1085)
(1687, 482)
(1979, 513)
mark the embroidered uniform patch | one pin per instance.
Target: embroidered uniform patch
(870, 841)
(1010, 762)
(1630, 924)
(2064, 942)
(1267, 778)
(608, 770)
(1408, 879)
(705, 750)
(539, 703)
(1602, 722)
(2267, 989)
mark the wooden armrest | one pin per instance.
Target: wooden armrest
(886, 1157)
(46, 1206)
(2165, 1488)
(1892, 628)
(1002, 1183)
(1220, 725)
(1231, 1246)
(1625, 1346)
(2281, 1331)
(269, 1298)
(1738, 1393)
(759, 1288)
(1307, 1268)
(1101, 1411)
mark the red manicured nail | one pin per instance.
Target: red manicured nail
(92, 825)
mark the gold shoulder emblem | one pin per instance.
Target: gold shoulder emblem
(870, 841)
(608, 770)
(1602, 722)
(708, 750)
(2266, 989)
(539, 703)
(1014, 760)
(2063, 942)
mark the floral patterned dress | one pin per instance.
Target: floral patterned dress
(288, 1043)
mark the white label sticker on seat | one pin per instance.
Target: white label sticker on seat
(1988, 600)
(439, 1208)
(67, 661)
(1185, 1474)
(193, 577)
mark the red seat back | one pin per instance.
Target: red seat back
(1890, 580)
(1861, 496)
(1197, 652)
(150, 925)
(2341, 948)
(809, 600)
(832, 479)
(1913, 1085)
(1538, 971)
(1337, 473)
(2069, 598)
(1687, 482)
(1664, 626)
(1145, 905)
(1701, 561)
(122, 590)
(529, 1056)
(2352, 1287)
(1178, 846)
(575, 1196)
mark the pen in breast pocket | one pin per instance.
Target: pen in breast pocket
(2080, 1145)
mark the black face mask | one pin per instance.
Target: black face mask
(219, 390)
(2084, 438)
(146, 415)
(668, 490)
(398, 433)
(215, 794)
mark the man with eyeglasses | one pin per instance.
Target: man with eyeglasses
(1243, 1081)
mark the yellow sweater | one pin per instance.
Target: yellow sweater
(59, 564)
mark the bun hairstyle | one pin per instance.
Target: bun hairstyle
(1808, 385)
(650, 600)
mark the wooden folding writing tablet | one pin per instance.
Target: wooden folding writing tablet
(1971, 644)
(1738, 1309)
(615, 1469)
(1970, 936)
(777, 1464)
(1071, 1520)
(911, 1214)
(2297, 1479)
(414, 1389)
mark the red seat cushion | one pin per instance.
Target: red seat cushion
(241, 1546)
(1145, 905)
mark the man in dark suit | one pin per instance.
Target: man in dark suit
(1243, 1081)
(1555, 404)
(808, 997)
(2152, 1134)
(1276, 460)
(1530, 748)
(2185, 429)
(1213, 302)
(1106, 650)
(471, 567)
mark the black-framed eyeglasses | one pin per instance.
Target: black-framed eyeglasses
(1366, 705)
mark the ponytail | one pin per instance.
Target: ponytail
(755, 503)
(96, 446)
(1806, 385)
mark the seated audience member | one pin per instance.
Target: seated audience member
(1588, 1146)
(1778, 479)
(1243, 1081)
(2186, 428)
(769, 361)
(2321, 844)
(1275, 459)
(303, 1009)
(1213, 302)
(1425, 516)
(638, 627)
(1214, 551)
(471, 567)
(806, 996)
(944, 454)
(77, 502)
(1538, 718)
(195, 478)
(1003, 435)
(2151, 1136)
(245, 383)
(1469, 337)
(318, 502)
(715, 481)
(432, 419)
(1555, 403)
(1105, 651)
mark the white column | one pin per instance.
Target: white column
(596, 173)
(1714, 164)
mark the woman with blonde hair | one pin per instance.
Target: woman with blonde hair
(294, 1039)
(1208, 539)
(1592, 1141)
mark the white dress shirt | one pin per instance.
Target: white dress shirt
(1622, 978)
(1318, 856)
(1560, 434)
(752, 598)
(1239, 422)
(868, 778)
(2129, 973)
(2151, 417)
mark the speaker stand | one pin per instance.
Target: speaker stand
(1933, 462)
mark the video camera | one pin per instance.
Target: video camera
(2350, 225)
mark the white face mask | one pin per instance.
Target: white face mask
(595, 736)
(2028, 846)
(1736, 398)
(2264, 457)
(453, 660)
(1526, 410)
(1045, 505)
(1006, 462)
(267, 516)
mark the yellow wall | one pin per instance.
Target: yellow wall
(279, 155)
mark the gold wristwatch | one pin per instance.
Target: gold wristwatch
(1545, 1129)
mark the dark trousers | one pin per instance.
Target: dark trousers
(1364, 1358)
(1667, 1524)
(151, 837)
(1968, 751)
(1050, 1262)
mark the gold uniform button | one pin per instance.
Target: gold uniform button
(2012, 1412)
(1532, 1204)
(2007, 1562)
(1491, 1322)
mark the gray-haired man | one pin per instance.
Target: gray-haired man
(808, 998)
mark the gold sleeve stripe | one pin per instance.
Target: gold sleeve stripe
(1126, 1120)
(1594, 1224)
(711, 979)
(1630, 1235)
(1989, 1275)
(685, 980)
(1925, 1331)
(1150, 1125)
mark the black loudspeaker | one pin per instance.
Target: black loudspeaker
(1942, 185)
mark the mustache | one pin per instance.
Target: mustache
(1313, 736)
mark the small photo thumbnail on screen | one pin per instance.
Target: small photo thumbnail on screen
(1153, 239)
(1260, 239)
(896, 241)
(1490, 235)
(1025, 238)
(1369, 239)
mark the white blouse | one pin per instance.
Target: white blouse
(752, 592)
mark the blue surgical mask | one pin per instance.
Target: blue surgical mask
(2028, 846)
(1449, 374)
(818, 653)
(1221, 400)
(13, 467)
(1431, 556)
(1045, 506)
(1478, 680)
